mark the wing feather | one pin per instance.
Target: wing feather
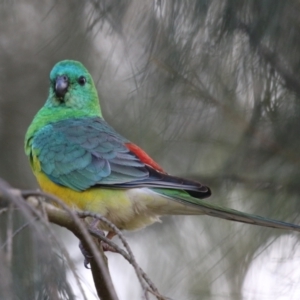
(85, 152)
(81, 153)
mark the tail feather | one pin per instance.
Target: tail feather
(194, 206)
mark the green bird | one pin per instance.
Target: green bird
(76, 156)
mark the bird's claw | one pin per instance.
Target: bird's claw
(106, 247)
(87, 255)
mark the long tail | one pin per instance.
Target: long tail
(194, 206)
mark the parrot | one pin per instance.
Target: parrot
(77, 156)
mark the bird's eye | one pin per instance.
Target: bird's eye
(82, 80)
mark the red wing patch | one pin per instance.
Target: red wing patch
(144, 157)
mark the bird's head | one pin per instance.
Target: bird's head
(72, 88)
(72, 94)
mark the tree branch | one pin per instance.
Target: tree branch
(90, 237)
(66, 218)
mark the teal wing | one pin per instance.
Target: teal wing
(84, 152)
(80, 153)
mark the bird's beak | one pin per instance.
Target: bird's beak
(61, 86)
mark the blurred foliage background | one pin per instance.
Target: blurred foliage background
(210, 89)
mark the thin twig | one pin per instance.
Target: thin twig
(12, 197)
(82, 233)
(9, 234)
(120, 235)
(44, 219)
(17, 231)
(152, 288)
(3, 210)
(129, 257)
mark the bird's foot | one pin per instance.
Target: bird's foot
(86, 254)
(106, 247)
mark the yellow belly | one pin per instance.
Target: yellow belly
(122, 207)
